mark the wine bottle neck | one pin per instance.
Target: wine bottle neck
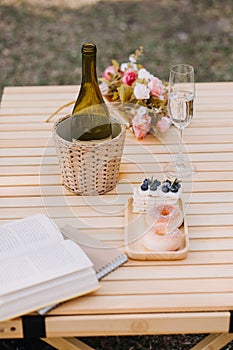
(89, 68)
(89, 95)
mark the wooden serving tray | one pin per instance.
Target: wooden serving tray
(135, 228)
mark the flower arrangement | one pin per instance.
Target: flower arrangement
(130, 83)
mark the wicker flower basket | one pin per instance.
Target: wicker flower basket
(89, 169)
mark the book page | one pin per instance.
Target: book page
(42, 265)
(21, 235)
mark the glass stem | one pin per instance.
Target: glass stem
(180, 158)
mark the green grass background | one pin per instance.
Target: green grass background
(40, 40)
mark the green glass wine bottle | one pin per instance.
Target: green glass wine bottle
(90, 116)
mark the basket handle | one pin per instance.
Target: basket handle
(59, 109)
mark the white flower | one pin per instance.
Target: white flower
(134, 67)
(132, 59)
(124, 66)
(144, 74)
(141, 91)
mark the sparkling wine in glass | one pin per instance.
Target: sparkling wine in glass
(181, 95)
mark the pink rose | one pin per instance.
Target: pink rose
(141, 125)
(129, 77)
(156, 87)
(164, 124)
(108, 72)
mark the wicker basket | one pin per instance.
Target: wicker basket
(89, 169)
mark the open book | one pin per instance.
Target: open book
(38, 267)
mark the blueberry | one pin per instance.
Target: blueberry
(146, 181)
(176, 184)
(165, 188)
(144, 187)
(167, 182)
(174, 189)
(153, 186)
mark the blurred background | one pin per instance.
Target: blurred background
(40, 40)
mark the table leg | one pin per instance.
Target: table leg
(67, 343)
(214, 341)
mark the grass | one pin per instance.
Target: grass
(40, 45)
(168, 342)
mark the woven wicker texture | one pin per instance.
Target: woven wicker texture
(89, 169)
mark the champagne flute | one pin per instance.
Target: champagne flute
(181, 94)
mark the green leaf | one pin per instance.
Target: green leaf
(115, 65)
(115, 96)
(125, 92)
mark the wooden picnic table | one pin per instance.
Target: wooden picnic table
(192, 295)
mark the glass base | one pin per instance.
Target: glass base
(175, 171)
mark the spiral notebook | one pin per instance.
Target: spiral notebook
(105, 259)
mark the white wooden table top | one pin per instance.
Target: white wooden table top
(193, 295)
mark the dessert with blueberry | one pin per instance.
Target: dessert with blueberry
(145, 194)
(170, 190)
(152, 190)
(143, 190)
(154, 187)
